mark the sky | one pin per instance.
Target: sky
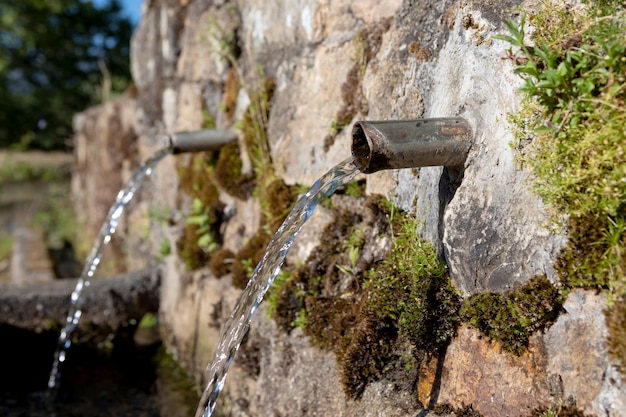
(132, 8)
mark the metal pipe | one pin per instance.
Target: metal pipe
(200, 140)
(394, 144)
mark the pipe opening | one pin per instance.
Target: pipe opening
(361, 150)
(397, 144)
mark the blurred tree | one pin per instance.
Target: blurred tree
(57, 57)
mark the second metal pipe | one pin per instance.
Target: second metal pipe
(200, 140)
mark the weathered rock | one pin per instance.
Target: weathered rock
(109, 304)
(106, 146)
(30, 262)
(577, 351)
(497, 383)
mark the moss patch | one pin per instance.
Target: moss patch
(466, 411)
(513, 317)
(221, 262)
(572, 136)
(363, 306)
(248, 257)
(558, 411)
(228, 172)
(367, 43)
(200, 235)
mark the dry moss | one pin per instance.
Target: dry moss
(248, 257)
(465, 411)
(188, 249)
(558, 411)
(362, 307)
(228, 172)
(616, 322)
(253, 128)
(367, 43)
(221, 262)
(229, 99)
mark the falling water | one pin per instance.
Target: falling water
(238, 323)
(125, 195)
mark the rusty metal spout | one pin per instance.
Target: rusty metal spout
(394, 144)
(200, 140)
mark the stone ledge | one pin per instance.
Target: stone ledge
(109, 303)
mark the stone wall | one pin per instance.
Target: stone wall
(366, 59)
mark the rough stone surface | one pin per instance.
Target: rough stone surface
(105, 140)
(483, 218)
(576, 346)
(30, 262)
(476, 371)
(109, 304)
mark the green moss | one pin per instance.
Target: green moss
(164, 248)
(201, 232)
(271, 299)
(360, 308)
(208, 121)
(513, 317)
(6, 243)
(571, 135)
(175, 385)
(228, 172)
(366, 45)
(354, 189)
(411, 288)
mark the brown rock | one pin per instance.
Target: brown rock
(496, 383)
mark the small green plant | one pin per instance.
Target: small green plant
(362, 308)
(578, 89)
(272, 294)
(572, 135)
(355, 189)
(160, 216)
(336, 127)
(301, 320)
(165, 248)
(202, 218)
(6, 245)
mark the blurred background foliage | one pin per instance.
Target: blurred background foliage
(57, 57)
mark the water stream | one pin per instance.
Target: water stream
(262, 278)
(124, 196)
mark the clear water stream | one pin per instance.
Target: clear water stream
(262, 278)
(124, 196)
